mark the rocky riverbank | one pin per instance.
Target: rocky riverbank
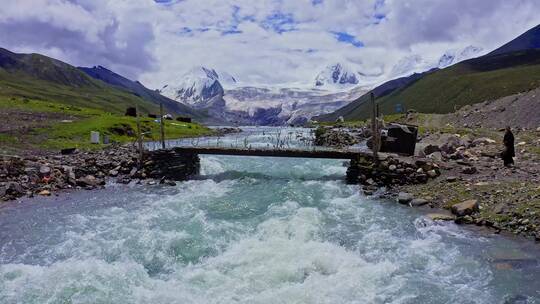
(477, 188)
(50, 174)
(460, 172)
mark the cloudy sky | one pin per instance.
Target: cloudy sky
(270, 42)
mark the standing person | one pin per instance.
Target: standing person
(509, 152)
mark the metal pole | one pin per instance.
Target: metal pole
(374, 128)
(161, 123)
(139, 137)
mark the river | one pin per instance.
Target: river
(252, 230)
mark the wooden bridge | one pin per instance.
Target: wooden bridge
(296, 153)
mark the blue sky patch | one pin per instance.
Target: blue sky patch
(348, 38)
(280, 22)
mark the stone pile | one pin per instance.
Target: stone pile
(389, 170)
(336, 137)
(171, 165)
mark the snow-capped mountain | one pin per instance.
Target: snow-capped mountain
(337, 75)
(222, 97)
(409, 65)
(198, 86)
(454, 56)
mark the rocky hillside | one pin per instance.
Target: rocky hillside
(138, 89)
(38, 77)
(521, 110)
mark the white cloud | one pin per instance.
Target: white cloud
(260, 42)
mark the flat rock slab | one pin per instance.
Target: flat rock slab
(466, 208)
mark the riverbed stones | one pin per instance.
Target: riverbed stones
(465, 208)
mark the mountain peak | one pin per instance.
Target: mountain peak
(337, 74)
(454, 56)
(199, 85)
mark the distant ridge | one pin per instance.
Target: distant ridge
(529, 40)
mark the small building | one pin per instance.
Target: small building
(183, 119)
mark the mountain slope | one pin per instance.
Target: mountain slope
(39, 77)
(469, 82)
(135, 87)
(380, 91)
(529, 40)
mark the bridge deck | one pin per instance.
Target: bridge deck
(329, 154)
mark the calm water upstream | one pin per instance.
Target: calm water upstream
(252, 230)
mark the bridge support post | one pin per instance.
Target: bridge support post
(172, 165)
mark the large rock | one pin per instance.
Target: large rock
(14, 188)
(430, 149)
(466, 208)
(417, 202)
(45, 170)
(469, 170)
(90, 181)
(483, 141)
(404, 198)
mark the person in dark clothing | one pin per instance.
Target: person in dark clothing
(509, 152)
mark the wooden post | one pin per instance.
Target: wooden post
(161, 123)
(139, 139)
(374, 127)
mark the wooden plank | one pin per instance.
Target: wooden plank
(328, 154)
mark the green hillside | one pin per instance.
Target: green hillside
(469, 82)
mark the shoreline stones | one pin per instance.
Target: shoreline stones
(390, 171)
(45, 175)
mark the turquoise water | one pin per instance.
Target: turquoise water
(252, 230)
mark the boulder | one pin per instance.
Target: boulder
(14, 188)
(437, 156)
(483, 141)
(466, 208)
(404, 198)
(451, 179)
(89, 180)
(417, 202)
(469, 170)
(430, 149)
(432, 173)
(44, 170)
